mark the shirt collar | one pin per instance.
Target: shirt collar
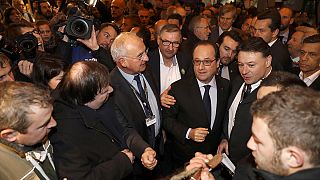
(311, 78)
(296, 59)
(212, 83)
(272, 42)
(221, 31)
(128, 77)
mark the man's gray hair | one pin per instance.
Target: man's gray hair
(119, 47)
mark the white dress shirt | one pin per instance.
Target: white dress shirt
(310, 79)
(168, 75)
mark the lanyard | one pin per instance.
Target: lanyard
(145, 103)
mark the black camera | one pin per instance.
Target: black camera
(27, 44)
(79, 27)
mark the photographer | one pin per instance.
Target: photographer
(24, 43)
(87, 44)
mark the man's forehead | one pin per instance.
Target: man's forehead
(315, 47)
(228, 41)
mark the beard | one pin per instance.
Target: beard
(283, 27)
(275, 165)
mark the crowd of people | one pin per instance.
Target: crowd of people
(128, 90)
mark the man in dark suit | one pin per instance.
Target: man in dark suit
(135, 94)
(286, 28)
(254, 61)
(195, 120)
(310, 62)
(267, 27)
(228, 43)
(227, 16)
(166, 63)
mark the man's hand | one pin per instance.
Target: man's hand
(148, 158)
(167, 100)
(199, 161)
(91, 43)
(129, 154)
(223, 147)
(198, 134)
(25, 67)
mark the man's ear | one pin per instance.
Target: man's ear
(123, 62)
(275, 33)
(269, 60)
(293, 157)
(9, 135)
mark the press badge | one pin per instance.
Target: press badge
(150, 120)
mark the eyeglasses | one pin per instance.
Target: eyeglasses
(206, 62)
(140, 56)
(167, 43)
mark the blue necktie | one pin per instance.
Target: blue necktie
(147, 110)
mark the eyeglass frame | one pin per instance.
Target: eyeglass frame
(144, 53)
(174, 44)
(205, 62)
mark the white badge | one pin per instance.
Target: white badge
(151, 120)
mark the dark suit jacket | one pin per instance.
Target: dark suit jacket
(154, 63)
(241, 131)
(281, 60)
(316, 84)
(189, 112)
(87, 143)
(128, 108)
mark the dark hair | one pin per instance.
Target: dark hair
(312, 39)
(145, 34)
(170, 28)
(207, 43)
(83, 81)
(114, 26)
(255, 44)
(292, 11)
(282, 79)
(6, 19)
(176, 16)
(134, 18)
(14, 30)
(232, 34)
(42, 22)
(193, 23)
(47, 66)
(273, 15)
(292, 116)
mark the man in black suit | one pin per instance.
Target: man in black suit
(227, 16)
(254, 62)
(310, 62)
(166, 62)
(135, 94)
(286, 28)
(195, 120)
(267, 27)
(228, 43)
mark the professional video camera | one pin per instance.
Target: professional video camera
(79, 27)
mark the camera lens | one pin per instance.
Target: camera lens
(27, 45)
(79, 27)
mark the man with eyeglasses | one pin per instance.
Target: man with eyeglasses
(167, 63)
(194, 122)
(227, 16)
(136, 97)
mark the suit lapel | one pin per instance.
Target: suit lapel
(235, 89)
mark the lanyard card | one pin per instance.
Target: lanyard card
(150, 120)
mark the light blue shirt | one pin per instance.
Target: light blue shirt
(150, 94)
